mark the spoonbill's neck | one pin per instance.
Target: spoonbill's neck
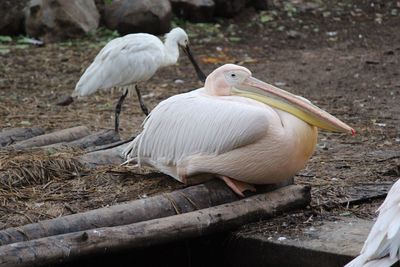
(171, 52)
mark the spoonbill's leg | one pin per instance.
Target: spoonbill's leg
(142, 105)
(237, 186)
(118, 109)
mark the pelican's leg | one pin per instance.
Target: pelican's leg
(142, 105)
(237, 186)
(118, 109)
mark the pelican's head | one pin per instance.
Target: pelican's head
(231, 79)
(179, 36)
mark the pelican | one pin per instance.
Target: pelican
(383, 242)
(238, 128)
(128, 60)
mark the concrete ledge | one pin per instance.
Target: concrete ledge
(334, 243)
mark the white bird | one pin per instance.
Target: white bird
(133, 58)
(381, 249)
(238, 128)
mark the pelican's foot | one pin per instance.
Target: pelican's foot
(237, 186)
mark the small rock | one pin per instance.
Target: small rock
(128, 16)
(65, 101)
(280, 83)
(331, 34)
(292, 34)
(260, 4)
(282, 238)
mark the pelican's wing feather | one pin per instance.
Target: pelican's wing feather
(197, 124)
(124, 60)
(383, 242)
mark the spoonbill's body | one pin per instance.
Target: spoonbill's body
(381, 249)
(134, 58)
(239, 128)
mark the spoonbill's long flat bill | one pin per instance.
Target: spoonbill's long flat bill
(239, 128)
(381, 249)
(133, 58)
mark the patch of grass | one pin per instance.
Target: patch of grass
(290, 9)
(5, 39)
(4, 50)
(102, 36)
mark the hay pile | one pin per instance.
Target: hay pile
(39, 184)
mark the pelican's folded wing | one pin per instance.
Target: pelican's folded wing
(194, 123)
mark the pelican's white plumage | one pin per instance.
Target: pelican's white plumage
(381, 249)
(227, 130)
(192, 133)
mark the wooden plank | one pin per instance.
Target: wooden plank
(144, 234)
(13, 135)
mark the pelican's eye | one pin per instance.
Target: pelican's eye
(233, 76)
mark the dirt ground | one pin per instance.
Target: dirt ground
(342, 55)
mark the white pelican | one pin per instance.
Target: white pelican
(131, 59)
(241, 129)
(383, 242)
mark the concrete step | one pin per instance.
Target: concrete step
(330, 244)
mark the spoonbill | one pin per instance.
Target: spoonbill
(133, 58)
(238, 128)
(383, 242)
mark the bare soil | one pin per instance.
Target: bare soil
(342, 55)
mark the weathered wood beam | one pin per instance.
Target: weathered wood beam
(221, 218)
(100, 138)
(13, 135)
(111, 156)
(180, 201)
(65, 135)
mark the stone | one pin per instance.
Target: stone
(229, 8)
(260, 4)
(101, 5)
(55, 20)
(12, 17)
(126, 16)
(333, 242)
(194, 10)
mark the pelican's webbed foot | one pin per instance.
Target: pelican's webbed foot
(237, 186)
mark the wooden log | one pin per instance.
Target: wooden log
(111, 145)
(65, 135)
(180, 201)
(13, 135)
(112, 156)
(221, 218)
(100, 138)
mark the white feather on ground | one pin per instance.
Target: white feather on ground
(381, 249)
